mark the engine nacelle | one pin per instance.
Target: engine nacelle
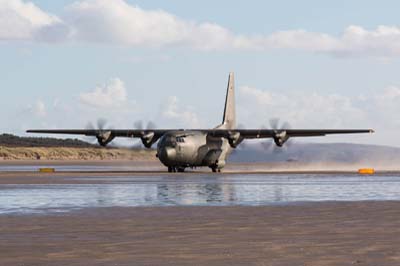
(280, 138)
(234, 139)
(148, 139)
(104, 138)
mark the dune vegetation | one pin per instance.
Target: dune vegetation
(72, 153)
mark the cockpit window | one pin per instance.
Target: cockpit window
(180, 139)
(168, 140)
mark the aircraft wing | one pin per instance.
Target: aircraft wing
(234, 136)
(245, 133)
(128, 133)
(280, 136)
(105, 136)
(270, 133)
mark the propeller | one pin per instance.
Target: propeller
(139, 125)
(275, 124)
(103, 136)
(243, 144)
(280, 137)
(147, 139)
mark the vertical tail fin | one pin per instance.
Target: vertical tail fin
(229, 119)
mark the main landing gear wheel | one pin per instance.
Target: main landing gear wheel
(172, 169)
(216, 170)
(181, 169)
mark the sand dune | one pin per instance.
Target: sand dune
(64, 153)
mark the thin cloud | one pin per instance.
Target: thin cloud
(35, 110)
(111, 94)
(377, 109)
(181, 116)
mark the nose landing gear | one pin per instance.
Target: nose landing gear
(172, 169)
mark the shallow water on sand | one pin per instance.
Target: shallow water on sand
(195, 190)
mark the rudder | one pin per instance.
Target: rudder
(229, 118)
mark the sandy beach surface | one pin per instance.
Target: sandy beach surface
(296, 233)
(358, 233)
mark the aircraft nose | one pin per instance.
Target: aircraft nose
(167, 154)
(171, 152)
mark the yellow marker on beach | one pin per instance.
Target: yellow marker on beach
(47, 170)
(366, 171)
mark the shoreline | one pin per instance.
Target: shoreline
(263, 166)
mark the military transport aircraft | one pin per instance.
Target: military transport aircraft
(178, 149)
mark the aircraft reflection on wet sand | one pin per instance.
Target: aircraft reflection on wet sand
(197, 190)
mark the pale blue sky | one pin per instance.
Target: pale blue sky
(43, 81)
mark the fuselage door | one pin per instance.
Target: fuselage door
(180, 142)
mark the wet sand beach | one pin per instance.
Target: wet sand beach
(358, 233)
(85, 215)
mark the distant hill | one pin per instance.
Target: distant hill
(317, 153)
(8, 140)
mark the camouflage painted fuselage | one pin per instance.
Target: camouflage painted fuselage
(191, 149)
